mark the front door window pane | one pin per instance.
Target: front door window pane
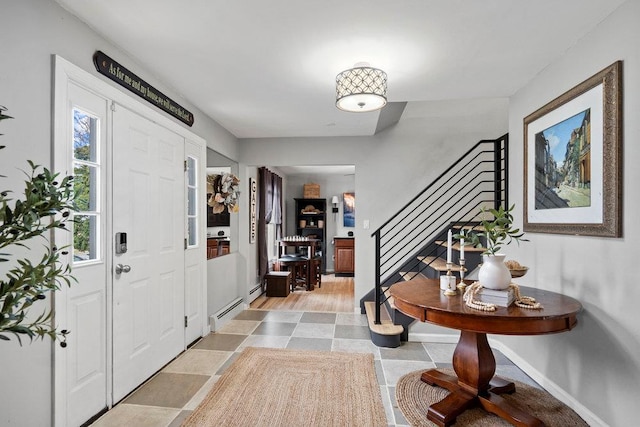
(191, 198)
(192, 231)
(84, 238)
(84, 136)
(192, 202)
(86, 186)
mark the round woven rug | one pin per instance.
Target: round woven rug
(414, 397)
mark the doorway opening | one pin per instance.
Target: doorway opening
(336, 293)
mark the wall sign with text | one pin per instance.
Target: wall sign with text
(125, 78)
(253, 188)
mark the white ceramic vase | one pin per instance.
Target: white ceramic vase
(494, 274)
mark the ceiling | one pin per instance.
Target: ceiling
(267, 68)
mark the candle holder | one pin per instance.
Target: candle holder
(448, 282)
(462, 286)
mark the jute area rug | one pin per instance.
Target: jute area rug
(414, 397)
(279, 387)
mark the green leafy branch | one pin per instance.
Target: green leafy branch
(45, 205)
(497, 232)
(26, 284)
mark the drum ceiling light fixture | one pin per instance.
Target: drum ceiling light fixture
(361, 89)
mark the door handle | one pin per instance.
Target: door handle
(120, 268)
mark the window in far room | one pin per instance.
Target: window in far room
(272, 243)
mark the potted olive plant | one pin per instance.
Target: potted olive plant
(497, 233)
(45, 205)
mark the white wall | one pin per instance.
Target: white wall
(32, 31)
(597, 363)
(248, 252)
(391, 167)
(226, 274)
(222, 282)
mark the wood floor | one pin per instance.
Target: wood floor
(335, 295)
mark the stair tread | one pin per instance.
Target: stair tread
(456, 246)
(408, 275)
(386, 326)
(477, 227)
(390, 300)
(437, 263)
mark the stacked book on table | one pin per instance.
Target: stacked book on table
(501, 298)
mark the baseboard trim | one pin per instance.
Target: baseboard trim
(255, 289)
(228, 312)
(554, 389)
(255, 292)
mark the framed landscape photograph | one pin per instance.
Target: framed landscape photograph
(349, 209)
(572, 160)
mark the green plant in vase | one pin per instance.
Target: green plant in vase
(497, 233)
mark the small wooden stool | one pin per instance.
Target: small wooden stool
(315, 272)
(278, 283)
(299, 268)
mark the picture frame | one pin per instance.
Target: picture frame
(572, 160)
(218, 219)
(222, 219)
(349, 209)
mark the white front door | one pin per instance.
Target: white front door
(83, 306)
(148, 292)
(195, 303)
(129, 178)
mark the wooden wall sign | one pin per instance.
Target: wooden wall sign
(125, 78)
(253, 189)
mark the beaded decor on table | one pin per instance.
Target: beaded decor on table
(520, 300)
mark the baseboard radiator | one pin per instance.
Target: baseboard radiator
(255, 293)
(256, 289)
(228, 312)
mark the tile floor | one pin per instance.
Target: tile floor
(170, 396)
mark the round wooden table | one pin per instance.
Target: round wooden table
(473, 361)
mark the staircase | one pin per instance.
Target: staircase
(413, 241)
